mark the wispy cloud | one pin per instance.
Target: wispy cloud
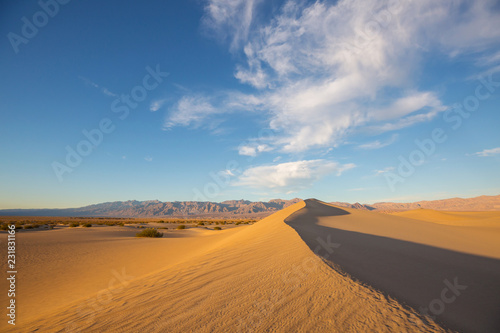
(148, 159)
(230, 20)
(384, 170)
(190, 110)
(323, 70)
(488, 152)
(290, 176)
(156, 105)
(103, 90)
(379, 144)
(253, 150)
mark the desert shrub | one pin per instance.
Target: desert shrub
(217, 222)
(201, 223)
(4, 227)
(121, 224)
(28, 226)
(86, 225)
(73, 224)
(238, 223)
(182, 226)
(149, 232)
(217, 228)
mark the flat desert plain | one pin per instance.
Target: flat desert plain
(311, 267)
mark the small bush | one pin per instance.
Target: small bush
(237, 223)
(86, 225)
(28, 227)
(73, 225)
(217, 228)
(150, 232)
(201, 223)
(180, 227)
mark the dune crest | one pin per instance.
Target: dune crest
(413, 261)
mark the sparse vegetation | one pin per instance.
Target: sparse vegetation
(180, 227)
(149, 232)
(217, 228)
(48, 223)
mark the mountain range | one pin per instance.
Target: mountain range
(243, 208)
(481, 203)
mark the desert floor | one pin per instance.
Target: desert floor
(311, 267)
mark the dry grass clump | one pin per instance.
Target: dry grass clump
(149, 232)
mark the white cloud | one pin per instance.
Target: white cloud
(253, 150)
(230, 19)
(384, 170)
(156, 105)
(379, 144)
(103, 90)
(488, 152)
(325, 70)
(190, 110)
(290, 176)
(148, 158)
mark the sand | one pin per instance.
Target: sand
(465, 219)
(410, 259)
(273, 276)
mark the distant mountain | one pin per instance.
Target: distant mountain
(242, 208)
(155, 208)
(356, 205)
(482, 203)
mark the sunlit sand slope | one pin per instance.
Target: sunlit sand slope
(57, 267)
(262, 278)
(449, 272)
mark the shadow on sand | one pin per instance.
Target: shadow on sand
(461, 291)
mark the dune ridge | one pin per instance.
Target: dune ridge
(259, 278)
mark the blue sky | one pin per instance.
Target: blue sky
(229, 99)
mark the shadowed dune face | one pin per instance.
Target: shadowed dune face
(418, 263)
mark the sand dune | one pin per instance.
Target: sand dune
(473, 219)
(411, 260)
(260, 278)
(60, 266)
